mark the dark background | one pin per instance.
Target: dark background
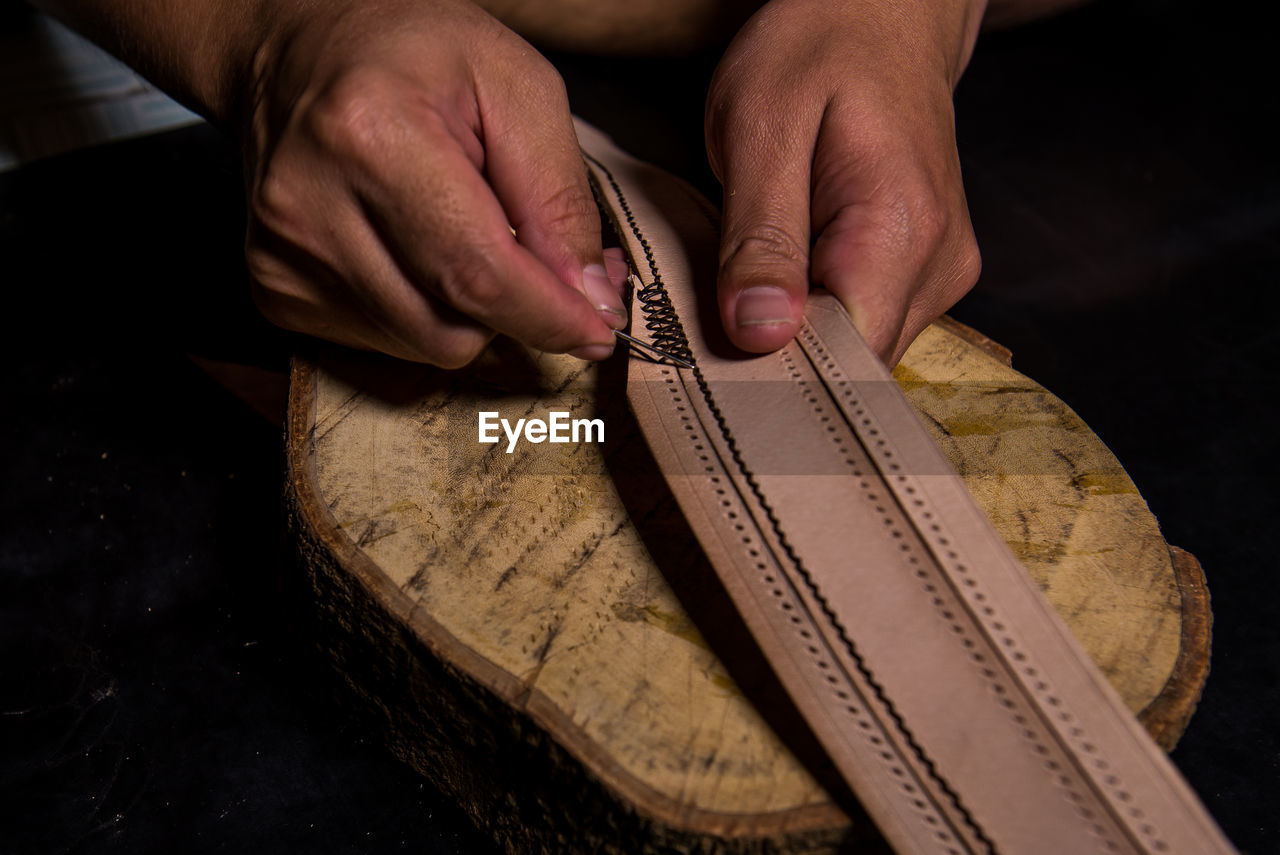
(157, 689)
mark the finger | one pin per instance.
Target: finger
(615, 265)
(452, 342)
(860, 258)
(764, 258)
(952, 276)
(368, 305)
(535, 166)
(458, 245)
(894, 239)
(863, 230)
(893, 277)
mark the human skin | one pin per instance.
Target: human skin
(849, 104)
(415, 186)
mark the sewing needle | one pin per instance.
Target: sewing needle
(662, 353)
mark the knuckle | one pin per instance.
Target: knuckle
(356, 116)
(764, 243)
(910, 224)
(968, 261)
(273, 201)
(917, 220)
(568, 208)
(283, 295)
(531, 82)
(539, 80)
(929, 223)
(940, 235)
(471, 282)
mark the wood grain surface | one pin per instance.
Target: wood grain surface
(538, 631)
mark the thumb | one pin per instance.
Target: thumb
(536, 170)
(764, 245)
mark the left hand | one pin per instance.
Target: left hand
(830, 127)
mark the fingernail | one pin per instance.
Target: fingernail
(603, 295)
(593, 352)
(763, 305)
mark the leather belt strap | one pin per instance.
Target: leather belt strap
(943, 687)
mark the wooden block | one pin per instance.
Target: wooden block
(539, 634)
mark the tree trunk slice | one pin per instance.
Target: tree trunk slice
(519, 621)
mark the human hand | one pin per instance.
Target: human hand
(392, 147)
(830, 127)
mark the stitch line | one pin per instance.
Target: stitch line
(669, 325)
(988, 624)
(788, 598)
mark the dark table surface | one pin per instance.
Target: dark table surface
(158, 693)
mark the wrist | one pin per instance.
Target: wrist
(975, 12)
(200, 51)
(949, 29)
(907, 37)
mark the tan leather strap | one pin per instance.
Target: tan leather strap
(943, 687)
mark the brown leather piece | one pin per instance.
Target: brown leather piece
(943, 687)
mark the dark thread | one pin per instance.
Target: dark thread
(666, 327)
(820, 354)
(659, 315)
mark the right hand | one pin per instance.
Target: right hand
(831, 127)
(392, 146)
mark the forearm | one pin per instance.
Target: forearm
(200, 51)
(1006, 13)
